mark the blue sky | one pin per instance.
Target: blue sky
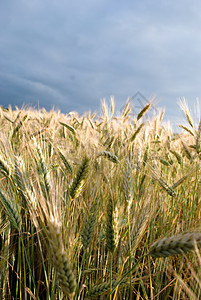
(71, 54)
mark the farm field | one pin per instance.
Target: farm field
(99, 207)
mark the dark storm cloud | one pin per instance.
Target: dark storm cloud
(70, 54)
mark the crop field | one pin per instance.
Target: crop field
(99, 207)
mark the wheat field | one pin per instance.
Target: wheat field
(99, 207)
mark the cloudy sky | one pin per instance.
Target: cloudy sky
(71, 54)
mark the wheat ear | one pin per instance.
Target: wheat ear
(185, 109)
(176, 244)
(104, 288)
(163, 184)
(138, 230)
(99, 289)
(127, 185)
(43, 170)
(133, 137)
(110, 226)
(65, 162)
(143, 111)
(186, 129)
(4, 167)
(87, 232)
(60, 260)
(80, 179)
(177, 155)
(186, 151)
(109, 155)
(11, 210)
(198, 138)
